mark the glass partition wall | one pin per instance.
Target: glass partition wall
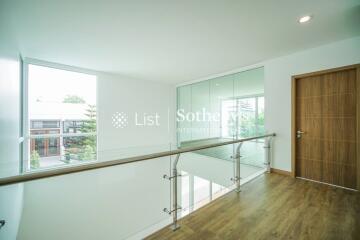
(216, 110)
(230, 106)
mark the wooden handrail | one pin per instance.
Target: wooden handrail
(96, 165)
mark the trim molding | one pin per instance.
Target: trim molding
(281, 172)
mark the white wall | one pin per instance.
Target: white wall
(120, 94)
(9, 115)
(10, 196)
(278, 74)
(11, 199)
(109, 203)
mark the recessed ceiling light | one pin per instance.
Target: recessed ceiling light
(305, 19)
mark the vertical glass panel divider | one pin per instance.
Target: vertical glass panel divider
(268, 153)
(237, 176)
(174, 206)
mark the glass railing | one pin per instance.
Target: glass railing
(203, 177)
(125, 201)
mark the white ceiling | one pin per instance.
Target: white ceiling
(174, 41)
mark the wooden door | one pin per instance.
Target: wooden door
(326, 126)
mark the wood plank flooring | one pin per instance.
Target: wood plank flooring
(274, 206)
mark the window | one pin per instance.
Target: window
(60, 117)
(44, 124)
(242, 117)
(70, 126)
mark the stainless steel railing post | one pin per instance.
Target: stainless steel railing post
(267, 146)
(237, 172)
(174, 192)
(175, 206)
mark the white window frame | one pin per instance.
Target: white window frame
(24, 138)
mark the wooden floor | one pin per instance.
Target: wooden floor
(275, 207)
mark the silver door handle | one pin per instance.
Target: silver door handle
(299, 133)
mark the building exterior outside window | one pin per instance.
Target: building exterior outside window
(60, 118)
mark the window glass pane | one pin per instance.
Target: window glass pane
(79, 148)
(217, 190)
(228, 118)
(50, 124)
(246, 117)
(36, 124)
(200, 103)
(201, 191)
(60, 102)
(184, 107)
(78, 126)
(48, 152)
(53, 146)
(250, 82)
(220, 98)
(185, 192)
(221, 88)
(261, 115)
(44, 152)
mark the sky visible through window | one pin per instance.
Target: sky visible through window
(52, 85)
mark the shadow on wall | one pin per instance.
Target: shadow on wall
(11, 210)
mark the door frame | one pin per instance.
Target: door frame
(294, 78)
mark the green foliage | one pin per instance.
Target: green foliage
(34, 160)
(248, 125)
(73, 99)
(84, 147)
(89, 151)
(90, 126)
(67, 157)
(87, 154)
(261, 118)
